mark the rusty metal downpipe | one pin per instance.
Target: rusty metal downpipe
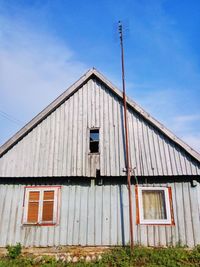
(128, 169)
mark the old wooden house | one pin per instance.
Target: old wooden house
(63, 179)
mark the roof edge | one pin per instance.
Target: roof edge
(149, 118)
(71, 90)
(45, 112)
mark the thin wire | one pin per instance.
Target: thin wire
(10, 118)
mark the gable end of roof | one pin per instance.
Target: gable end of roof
(74, 88)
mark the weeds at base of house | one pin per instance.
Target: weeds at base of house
(118, 257)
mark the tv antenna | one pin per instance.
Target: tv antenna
(128, 169)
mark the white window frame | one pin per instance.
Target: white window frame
(41, 190)
(168, 220)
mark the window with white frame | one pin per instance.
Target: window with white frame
(41, 205)
(154, 205)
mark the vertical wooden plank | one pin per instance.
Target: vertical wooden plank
(126, 215)
(97, 106)
(12, 213)
(175, 230)
(52, 141)
(106, 134)
(162, 154)
(143, 163)
(32, 152)
(187, 216)
(92, 94)
(193, 195)
(64, 207)
(76, 226)
(71, 215)
(91, 215)
(111, 135)
(6, 214)
(85, 140)
(61, 143)
(177, 160)
(150, 235)
(48, 234)
(41, 149)
(120, 216)
(101, 132)
(113, 215)
(65, 140)
(182, 162)
(74, 134)
(154, 166)
(172, 159)
(159, 170)
(134, 212)
(98, 215)
(3, 193)
(156, 236)
(79, 159)
(136, 164)
(44, 163)
(70, 137)
(37, 147)
(56, 143)
(167, 156)
(180, 214)
(105, 141)
(83, 216)
(106, 216)
(148, 147)
(89, 105)
(121, 138)
(131, 140)
(116, 137)
(44, 148)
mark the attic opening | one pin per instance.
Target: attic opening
(94, 140)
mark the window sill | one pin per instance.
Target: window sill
(39, 224)
(157, 224)
(95, 153)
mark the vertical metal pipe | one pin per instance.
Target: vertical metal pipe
(128, 169)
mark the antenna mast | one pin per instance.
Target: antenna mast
(128, 169)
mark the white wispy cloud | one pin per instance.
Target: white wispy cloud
(187, 118)
(35, 68)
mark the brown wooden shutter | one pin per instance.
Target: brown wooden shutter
(33, 207)
(48, 203)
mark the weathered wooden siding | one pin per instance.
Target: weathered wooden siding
(59, 145)
(98, 215)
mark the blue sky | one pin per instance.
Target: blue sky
(46, 45)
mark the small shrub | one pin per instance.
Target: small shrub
(14, 251)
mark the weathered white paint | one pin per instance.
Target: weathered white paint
(59, 145)
(98, 215)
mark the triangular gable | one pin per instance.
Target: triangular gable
(71, 90)
(154, 149)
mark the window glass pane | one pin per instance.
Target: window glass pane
(34, 196)
(154, 207)
(47, 214)
(48, 195)
(94, 135)
(33, 208)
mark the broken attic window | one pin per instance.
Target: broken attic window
(94, 140)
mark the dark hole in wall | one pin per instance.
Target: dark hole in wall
(94, 140)
(94, 147)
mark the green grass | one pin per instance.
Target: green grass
(122, 257)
